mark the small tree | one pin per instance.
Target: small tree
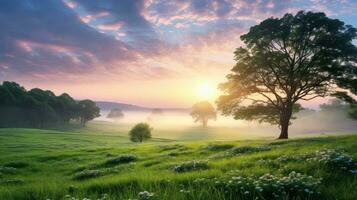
(156, 111)
(140, 132)
(295, 58)
(115, 113)
(202, 112)
(155, 114)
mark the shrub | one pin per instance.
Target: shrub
(218, 147)
(140, 132)
(248, 149)
(178, 153)
(8, 170)
(16, 164)
(179, 147)
(86, 174)
(240, 150)
(121, 159)
(190, 166)
(93, 173)
(11, 181)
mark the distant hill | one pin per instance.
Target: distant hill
(107, 105)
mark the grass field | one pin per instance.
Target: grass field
(99, 162)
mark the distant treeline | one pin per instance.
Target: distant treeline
(40, 108)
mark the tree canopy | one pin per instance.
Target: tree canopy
(39, 108)
(202, 112)
(287, 60)
(88, 110)
(140, 132)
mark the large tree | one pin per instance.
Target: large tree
(297, 57)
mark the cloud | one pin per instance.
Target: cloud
(127, 13)
(47, 36)
(82, 40)
(205, 11)
(110, 27)
(333, 7)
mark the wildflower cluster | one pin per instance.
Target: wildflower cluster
(335, 159)
(190, 166)
(185, 191)
(268, 186)
(145, 195)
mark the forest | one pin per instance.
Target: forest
(39, 108)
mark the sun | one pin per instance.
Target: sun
(206, 91)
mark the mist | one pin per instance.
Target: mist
(180, 125)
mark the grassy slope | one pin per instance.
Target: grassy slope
(47, 160)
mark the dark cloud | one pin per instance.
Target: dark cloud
(45, 36)
(128, 12)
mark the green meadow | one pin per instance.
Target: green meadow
(99, 162)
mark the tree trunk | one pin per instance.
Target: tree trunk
(204, 122)
(284, 131)
(83, 122)
(285, 122)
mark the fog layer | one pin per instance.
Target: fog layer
(180, 125)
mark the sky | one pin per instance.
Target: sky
(156, 53)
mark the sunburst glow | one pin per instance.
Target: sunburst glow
(206, 91)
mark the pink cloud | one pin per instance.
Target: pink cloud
(70, 4)
(181, 25)
(110, 27)
(30, 45)
(88, 18)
